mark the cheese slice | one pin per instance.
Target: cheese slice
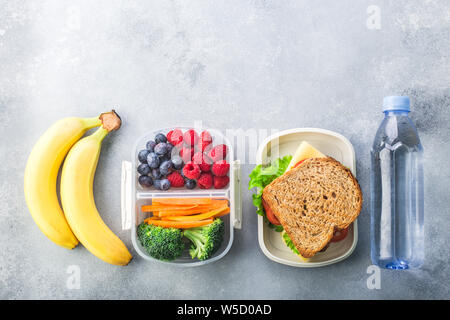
(304, 151)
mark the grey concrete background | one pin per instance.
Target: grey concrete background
(233, 64)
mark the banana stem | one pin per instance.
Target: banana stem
(110, 122)
(100, 134)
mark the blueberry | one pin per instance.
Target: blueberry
(150, 145)
(157, 184)
(191, 184)
(153, 160)
(160, 138)
(163, 158)
(169, 149)
(177, 162)
(161, 148)
(142, 156)
(143, 169)
(156, 173)
(165, 184)
(145, 181)
(165, 167)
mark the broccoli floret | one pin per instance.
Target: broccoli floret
(161, 243)
(206, 239)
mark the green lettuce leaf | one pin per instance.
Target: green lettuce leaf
(289, 243)
(260, 177)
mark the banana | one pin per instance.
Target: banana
(41, 174)
(77, 196)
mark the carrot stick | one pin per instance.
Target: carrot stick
(185, 212)
(157, 206)
(152, 218)
(223, 213)
(199, 209)
(220, 202)
(179, 224)
(198, 217)
(151, 208)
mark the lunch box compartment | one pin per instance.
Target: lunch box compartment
(286, 143)
(134, 196)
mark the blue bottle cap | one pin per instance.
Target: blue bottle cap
(396, 103)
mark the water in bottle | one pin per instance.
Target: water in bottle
(397, 212)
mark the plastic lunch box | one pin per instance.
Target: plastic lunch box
(134, 196)
(285, 143)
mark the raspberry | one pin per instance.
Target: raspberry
(175, 179)
(220, 168)
(205, 181)
(190, 138)
(203, 161)
(186, 154)
(204, 142)
(191, 170)
(221, 182)
(219, 152)
(203, 148)
(175, 137)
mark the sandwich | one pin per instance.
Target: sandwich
(310, 197)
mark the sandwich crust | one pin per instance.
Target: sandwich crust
(313, 200)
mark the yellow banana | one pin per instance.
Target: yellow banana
(77, 196)
(42, 171)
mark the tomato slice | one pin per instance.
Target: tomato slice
(270, 215)
(339, 235)
(298, 163)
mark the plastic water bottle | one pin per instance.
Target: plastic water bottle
(396, 185)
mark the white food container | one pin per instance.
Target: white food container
(134, 196)
(285, 143)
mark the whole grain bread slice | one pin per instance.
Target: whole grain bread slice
(312, 200)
